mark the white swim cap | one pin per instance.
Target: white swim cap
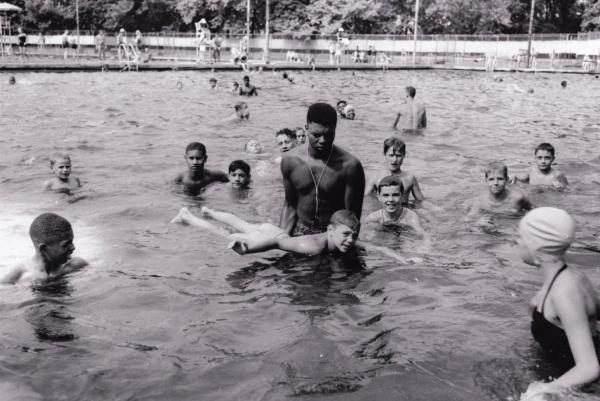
(341, 30)
(203, 21)
(348, 108)
(121, 30)
(548, 230)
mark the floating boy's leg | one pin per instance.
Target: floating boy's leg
(186, 217)
(230, 219)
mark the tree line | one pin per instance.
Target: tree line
(315, 16)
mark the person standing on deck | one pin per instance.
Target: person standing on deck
(319, 179)
(411, 113)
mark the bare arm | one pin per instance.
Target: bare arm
(355, 188)
(305, 245)
(524, 178)
(289, 217)
(416, 190)
(396, 120)
(371, 185)
(179, 178)
(13, 275)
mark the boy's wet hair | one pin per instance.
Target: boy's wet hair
(238, 105)
(287, 132)
(341, 102)
(246, 78)
(239, 165)
(236, 83)
(496, 166)
(212, 79)
(59, 156)
(347, 218)
(545, 146)
(195, 146)
(323, 114)
(394, 143)
(390, 181)
(49, 228)
(299, 129)
(411, 91)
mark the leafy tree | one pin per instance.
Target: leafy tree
(591, 16)
(466, 16)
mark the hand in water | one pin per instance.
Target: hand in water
(539, 391)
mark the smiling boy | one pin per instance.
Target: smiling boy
(394, 150)
(60, 164)
(239, 174)
(52, 237)
(543, 173)
(389, 194)
(198, 177)
(499, 196)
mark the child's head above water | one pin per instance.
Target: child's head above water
(241, 109)
(342, 231)
(300, 135)
(12, 81)
(545, 233)
(253, 146)
(389, 194)
(60, 163)
(52, 237)
(341, 104)
(195, 156)
(544, 156)
(496, 177)
(286, 139)
(239, 174)
(349, 112)
(212, 82)
(394, 150)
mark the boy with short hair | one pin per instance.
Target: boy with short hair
(340, 106)
(300, 135)
(498, 196)
(543, 173)
(60, 164)
(389, 194)
(286, 139)
(341, 235)
(198, 177)
(213, 83)
(394, 150)
(52, 237)
(239, 174)
(241, 112)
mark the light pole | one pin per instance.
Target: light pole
(415, 33)
(77, 19)
(267, 16)
(248, 29)
(529, 35)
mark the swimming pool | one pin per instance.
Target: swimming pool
(167, 312)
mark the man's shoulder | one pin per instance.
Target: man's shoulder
(347, 158)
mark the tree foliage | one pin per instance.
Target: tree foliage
(315, 16)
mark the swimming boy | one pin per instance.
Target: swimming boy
(411, 113)
(498, 195)
(198, 177)
(340, 106)
(213, 83)
(239, 174)
(60, 164)
(286, 139)
(394, 150)
(349, 112)
(247, 89)
(253, 146)
(543, 173)
(235, 89)
(241, 112)
(300, 136)
(389, 194)
(340, 237)
(52, 237)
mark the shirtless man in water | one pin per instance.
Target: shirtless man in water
(412, 113)
(319, 179)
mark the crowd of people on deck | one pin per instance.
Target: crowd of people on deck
(324, 187)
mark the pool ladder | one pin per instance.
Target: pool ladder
(128, 57)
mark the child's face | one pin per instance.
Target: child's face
(394, 158)
(341, 107)
(243, 112)
(60, 251)
(213, 84)
(342, 236)
(195, 160)
(62, 169)
(284, 142)
(496, 181)
(253, 147)
(390, 197)
(350, 114)
(544, 160)
(239, 179)
(300, 136)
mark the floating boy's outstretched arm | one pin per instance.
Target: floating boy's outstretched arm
(386, 251)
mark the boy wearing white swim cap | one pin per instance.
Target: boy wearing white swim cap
(565, 309)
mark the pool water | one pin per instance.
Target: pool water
(167, 312)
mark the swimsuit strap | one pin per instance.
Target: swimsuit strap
(550, 286)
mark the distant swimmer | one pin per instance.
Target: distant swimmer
(340, 106)
(563, 84)
(253, 147)
(52, 237)
(179, 85)
(197, 177)
(498, 197)
(247, 89)
(340, 237)
(60, 164)
(213, 83)
(288, 77)
(242, 113)
(12, 81)
(389, 194)
(543, 173)
(394, 151)
(321, 178)
(349, 112)
(239, 174)
(235, 88)
(300, 135)
(411, 115)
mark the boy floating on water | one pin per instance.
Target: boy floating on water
(499, 196)
(394, 150)
(389, 193)
(543, 173)
(341, 235)
(198, 177)
(60, 164)
(52, 237)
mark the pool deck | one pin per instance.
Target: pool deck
(166, 64)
